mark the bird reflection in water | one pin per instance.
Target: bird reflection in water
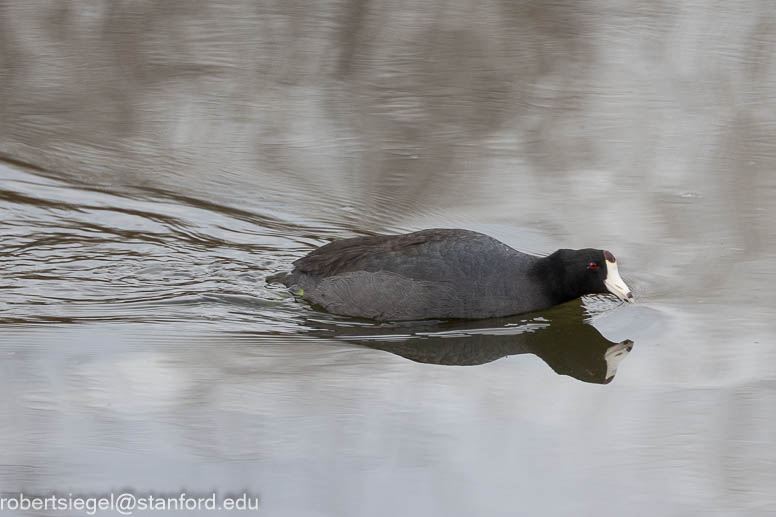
(560, 337)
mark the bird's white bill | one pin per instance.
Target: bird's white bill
(615, 285)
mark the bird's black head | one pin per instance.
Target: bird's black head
(574, 273)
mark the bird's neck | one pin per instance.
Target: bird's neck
(550, 272)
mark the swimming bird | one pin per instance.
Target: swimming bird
(446, 274)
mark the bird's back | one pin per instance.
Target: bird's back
(438, 273)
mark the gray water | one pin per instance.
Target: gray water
(160, 160)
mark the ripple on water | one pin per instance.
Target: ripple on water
(73, 254)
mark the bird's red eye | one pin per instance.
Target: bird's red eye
(592, 266)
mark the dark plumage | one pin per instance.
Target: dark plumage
(445, 273)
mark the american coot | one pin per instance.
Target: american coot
(446, 273)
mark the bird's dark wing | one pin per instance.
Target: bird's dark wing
(377, 252)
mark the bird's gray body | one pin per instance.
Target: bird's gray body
(439, 273)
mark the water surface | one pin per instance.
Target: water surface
(159, 162)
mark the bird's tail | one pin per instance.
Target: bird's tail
(280, 278)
